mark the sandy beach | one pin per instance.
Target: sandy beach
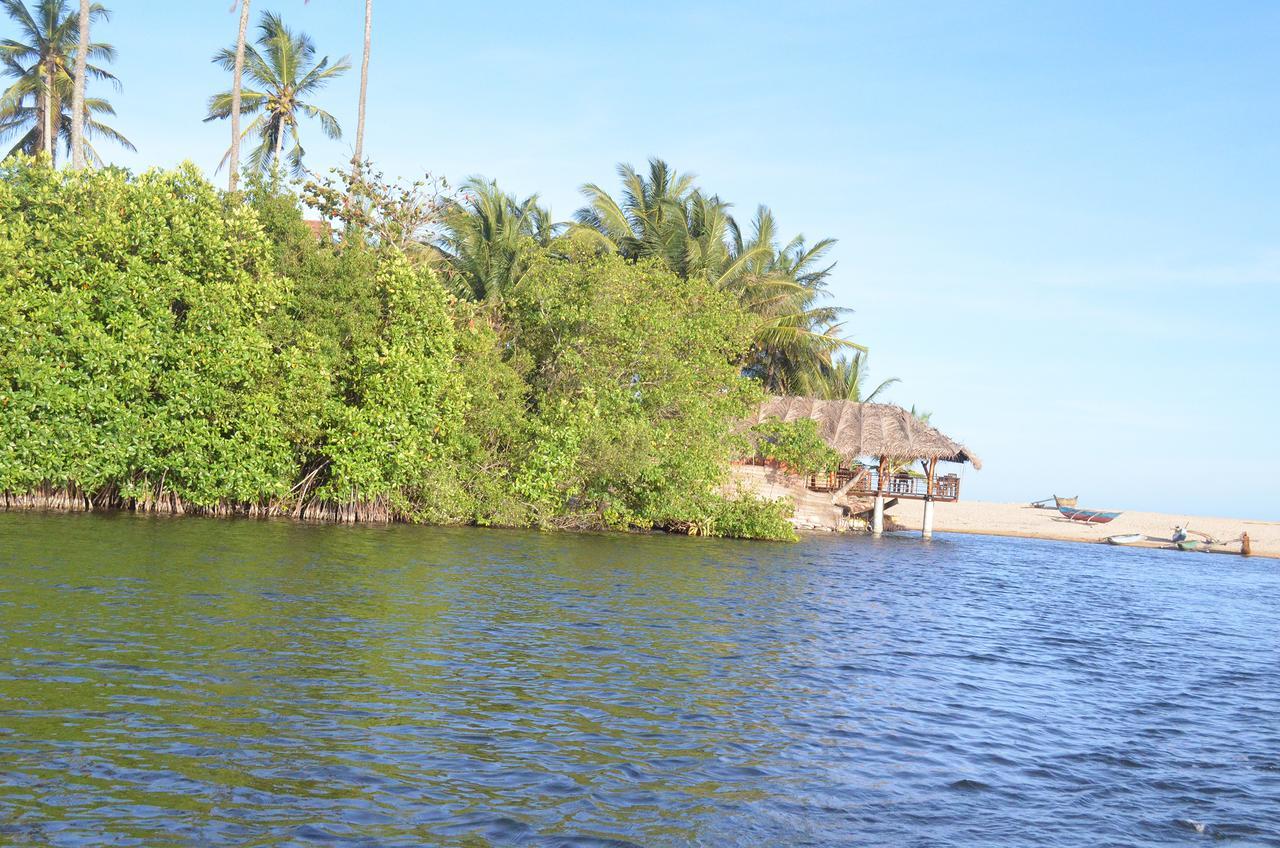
(1002, 519)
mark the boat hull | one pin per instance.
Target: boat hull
(1088, 516)
(1126, 539)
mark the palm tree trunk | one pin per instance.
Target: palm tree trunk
(47, 141)
(358, 158)
(78, 116)
(279, 146)
(234, 159)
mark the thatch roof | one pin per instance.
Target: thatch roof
(867, 429)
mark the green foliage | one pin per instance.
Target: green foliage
(633, 386)
(846, 379)
(664, 216)
(160, 341)
(746, 516)
(795, 444)
(490, 238)
(131, 349)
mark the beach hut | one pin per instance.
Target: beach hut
(891, 438)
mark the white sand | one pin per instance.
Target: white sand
(998, 519)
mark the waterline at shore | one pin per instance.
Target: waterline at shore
(1000, 519)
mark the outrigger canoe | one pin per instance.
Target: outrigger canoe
(1088, 516)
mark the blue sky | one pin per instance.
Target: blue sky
(1059, 222)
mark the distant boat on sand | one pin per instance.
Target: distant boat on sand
(1088, 516)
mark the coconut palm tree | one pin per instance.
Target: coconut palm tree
(488, 235)
(237, 83)
(38, 105)
(283, 69)
(798, 336)
(664, 215)
(649, 220)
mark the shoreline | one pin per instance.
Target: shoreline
(974, 518)
(989, 518)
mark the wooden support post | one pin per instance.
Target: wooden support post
(1245, 548)
(930, 469)
(877, 514)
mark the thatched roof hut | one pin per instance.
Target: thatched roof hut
(867, 429)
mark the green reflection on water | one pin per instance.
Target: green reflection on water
(193, 681)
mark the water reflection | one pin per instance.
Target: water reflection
(227, 683)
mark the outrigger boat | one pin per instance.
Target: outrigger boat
(1127, 539)
(1058, 502)
(1088, 516)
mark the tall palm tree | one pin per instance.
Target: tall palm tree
(35, 105)
(77, 98)
(237, 83)
(487, 237)
(358, 157)
(283, 69)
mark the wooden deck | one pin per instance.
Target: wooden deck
(906, 486)
(861, 480)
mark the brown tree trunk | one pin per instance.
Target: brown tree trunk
(233, 161)
(78, 116)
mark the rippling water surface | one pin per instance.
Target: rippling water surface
(194, 682)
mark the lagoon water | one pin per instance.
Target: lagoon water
(200, 682)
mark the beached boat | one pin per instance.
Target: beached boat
(1190, 545)
(1088, 516)
(1127, 539)
(1057, 502)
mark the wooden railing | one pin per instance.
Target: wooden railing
(832, 481)
(866, 479)
(945, 488)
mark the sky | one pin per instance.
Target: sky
(1058, 222)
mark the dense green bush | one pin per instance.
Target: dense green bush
(163, 345)
(632, 384)
(743, 516)
(132, 354)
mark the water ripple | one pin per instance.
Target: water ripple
(240, 683)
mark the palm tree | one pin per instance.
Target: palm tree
(846, 379)
(358, 157)
(798, 337)
(649, 219)
(488, 236)
(664, 215)
(237, 80)
(283, 68)
(35, 106)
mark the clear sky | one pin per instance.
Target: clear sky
(1059, 222)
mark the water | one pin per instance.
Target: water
(199, 682)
